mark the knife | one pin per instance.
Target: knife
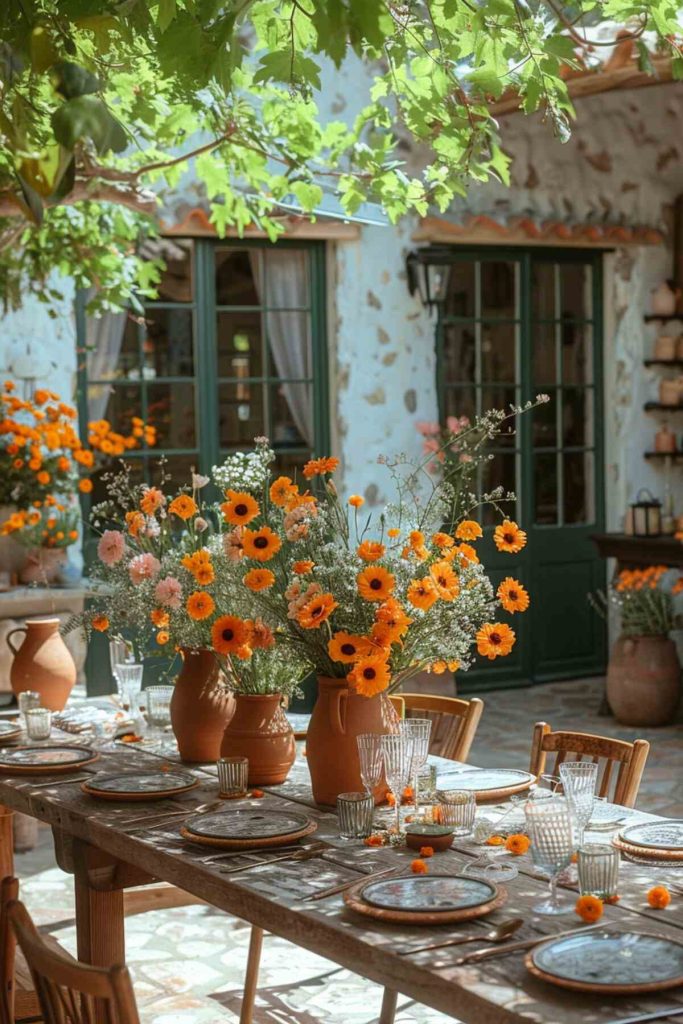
(514, 947)
(671, 1011)
(302, 855)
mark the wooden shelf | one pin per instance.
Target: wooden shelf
(651, 318)
(658, 406)
(662, 362)
(663, 455)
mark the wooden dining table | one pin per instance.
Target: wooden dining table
(111, 847)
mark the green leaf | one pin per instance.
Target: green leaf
(87, 117)
(71, 80)
(166, 13)
(309, 195)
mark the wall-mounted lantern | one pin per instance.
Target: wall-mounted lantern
(427, 276)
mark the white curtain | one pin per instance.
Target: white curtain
(103, 338)
(286, 285)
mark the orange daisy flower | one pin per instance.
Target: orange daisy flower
(370, 551)
(445, 581)
(152, 500)
(204, 574)
(240, 508)
(393, 532)
(589, 908)
(184, 507)
(495, 639)
(355, 501)
(508, 537)
(159, 617)
(84, 485)
(468, 529)
(370, 675)
(423, 593)
(162, 637)
(464, 553)
(442, 540)
(418, 867)
(259, 579)
(347, 647)
(318, 467)
(303, 567)
(659, 897)
(517, 844)
(100, 623)
(316, 611)
(512, 595)
(261, 544)
(375, 583)
(228, 634)
(391, 614)
(282, 491)
(200, 605)
(383, 636)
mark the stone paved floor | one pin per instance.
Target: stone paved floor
(188, 963)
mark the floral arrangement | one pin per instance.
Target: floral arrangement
(55, 525)
(644, 599)
(439, 442)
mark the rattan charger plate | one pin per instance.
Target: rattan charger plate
(22, 764)
(249, 844)
(645, 853)
(184, 783)
(354, 900)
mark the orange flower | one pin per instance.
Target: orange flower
(495, 841)
(589, 908)
(303, 567)
(229, 634)
(204, 573)
(162, 637)
(393, 533)
(261, 544)
(100, 623)
(152, 500)
(282, 491)
(44, 478)
(374, 840)
(678, 586)
(495, 639)
(508, 537)
(445, 581)
(418, 867)
(423, 593)
(375, 583)
(464, 553)
(259, 579)
(355, 501)
(159, 617)
(63, 464)
(468, 529)
(512, 595)
(318, 467)
(257, 794)
(184, 507)
(382, 636)
(391, 614)
(347, 647)
(517, 844)
(316, 611)
(426, 852)
(659, 897)
(240, 508)
(370, 551)
(370, 676)
(442, 540)
(200, 605)
(84, 485)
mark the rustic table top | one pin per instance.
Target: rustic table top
(498, 991)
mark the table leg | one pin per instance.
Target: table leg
(388, 1011)
(251, 976)
(99, 925)
(6, 842)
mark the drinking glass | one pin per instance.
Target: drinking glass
(233, 775)
(397, 754)
(159, 706)
(549, 826)
(579, 779)
(370, 758)
(27, 699)
(355, 812)
(598, 866)
(119, 654)
(457, 808)
(129, 677)
(38, 723)
(419, 730)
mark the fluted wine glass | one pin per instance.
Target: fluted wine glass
(370, 759)
(579, 780)
(550, 828)
(397, 754)
(419, 730)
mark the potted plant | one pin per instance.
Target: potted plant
(46, 535)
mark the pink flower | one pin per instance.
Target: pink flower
(427, 429)
(233, 544)
(143, 567)
(430, 445)
(111, 547)
(168, 592)
(455, 424)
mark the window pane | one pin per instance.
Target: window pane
(239, 346)
(167, 349)
(498, 289)
(292, 464)
(117, 403)
(176, 280)
(180, 469)
(289, 345)
(100, 492)
(544, 423)
(500, 397)
(460, 293)
(291, 414)
(170, 408)
(240, 414)
(543, 291)
(498, 352)
(458, 354)
(577, 416)
(500, 471)
(544, 366)
(579, 494)
(286, 278)
(545, 489)
(576, 290)
(577, 353)
(105, 360)
(460, 402)
(237, 274)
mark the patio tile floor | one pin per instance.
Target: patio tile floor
(188, 963)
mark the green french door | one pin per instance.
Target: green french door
(514, 324)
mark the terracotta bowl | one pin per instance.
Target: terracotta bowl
(439, 837)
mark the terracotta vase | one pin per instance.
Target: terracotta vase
(338, 717)
(42, 663)
(644, 680)
(43, 565)
(201, 706)
(12, 553)
(260, 731)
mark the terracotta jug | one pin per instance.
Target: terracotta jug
(260, 731)
(338, 717)
(644, 680)
(42, 663)
(664, 298)
(201, 706)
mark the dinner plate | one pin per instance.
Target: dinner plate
(657, 835)
(428, 893)
(246, 824)
(610, 962)
(483, 780)
(8, 730)
(139, 785)
(57, 758)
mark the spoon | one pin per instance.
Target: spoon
(499, 934)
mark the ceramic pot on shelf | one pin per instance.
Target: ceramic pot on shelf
(339, 716)
(670, 392)
(644, 680)
(42, 663)
(665, 348)
(663, 299)
(665, 439)
(201, 706)
(260, 731)
(43, 565)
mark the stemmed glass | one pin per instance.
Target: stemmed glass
(419, 730)
(129, 677)
(119, 654)
(549, 826)
(397, 754)
(579, 779)
(370, 759)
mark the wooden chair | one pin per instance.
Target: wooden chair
(67, 989)
(18, 1001)
(580, 746)
(454, 721)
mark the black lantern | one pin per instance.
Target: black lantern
(644, 518)
(428, 275)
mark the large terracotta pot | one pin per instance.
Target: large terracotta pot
(43, 565)
(12, 553)
(260, 731)
(201, 706)
(644, 680)
(42, 663)
(338, 717)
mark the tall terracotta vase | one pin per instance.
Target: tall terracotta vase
(644, 680)
(260, 731)
(338, 717)
(42, 663)
(200, 706)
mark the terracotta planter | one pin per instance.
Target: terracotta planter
(12, 553)
(42, 663)
(43, 565)
(260, 731)
(644, 680)
(338, 717)
(200, 706)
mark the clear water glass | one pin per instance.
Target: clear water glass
(355, 812)
(550, 828)
(370, 759)
(233, 776)
(129, 677)
(579, 780)
(458, 809)
(397, 754)
(119, 654)
(598, 867)
(419, 730)
(26, 700)
(38, 723)
(159, 706)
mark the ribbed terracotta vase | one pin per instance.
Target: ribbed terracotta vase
(339, 716)
(260, 731)
(201, 706)
(644, 680)
(42, 663)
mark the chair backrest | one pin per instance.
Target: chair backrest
(603, 751)
(454, 722)
(9, 890)
(71, 992)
